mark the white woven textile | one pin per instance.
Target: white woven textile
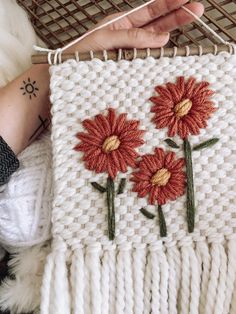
(26, 202)
(139, 272)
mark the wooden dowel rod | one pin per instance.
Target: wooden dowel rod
(128, 54)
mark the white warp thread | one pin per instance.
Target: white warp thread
(191, 273)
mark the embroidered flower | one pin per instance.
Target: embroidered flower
(161, 176)
(109, 146)
(183, 107)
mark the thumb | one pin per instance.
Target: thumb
(126, 38)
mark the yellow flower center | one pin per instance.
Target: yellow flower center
(111, 143)
(161, 177)
(182, 108)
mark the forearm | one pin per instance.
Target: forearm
(24, 107)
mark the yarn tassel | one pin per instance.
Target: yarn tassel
(231, 274)
(148, 285)
(120, 298)
(105, 281)
(112, 279)
(139, 261)
(77, 278)
(155, 289)
(94, 266)
(192, 278)
(128, 276)
(214, 278)
(195, 280)
(172, 254)
(164, 274)
(46, 284)
(185, 281)
(204, 259)
(221, 289)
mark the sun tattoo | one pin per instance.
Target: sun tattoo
(29, 88)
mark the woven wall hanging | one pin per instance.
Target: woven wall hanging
(144, 211)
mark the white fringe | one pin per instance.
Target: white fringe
(160, 279)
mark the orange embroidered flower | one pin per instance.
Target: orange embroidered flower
(183, 107)
(161, 176)
(109, 146)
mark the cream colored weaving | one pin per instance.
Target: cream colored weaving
(140, 272)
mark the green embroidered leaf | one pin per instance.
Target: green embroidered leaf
(206, 144)
(190, 186)
(121, 186)
(98, 187)
(162, 222)
(111, 208)
(171, 143)
(147, 213)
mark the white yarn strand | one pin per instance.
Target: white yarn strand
(95, 278)
(148, 284)
(105, 278)
(77, 281)
(172, 286)
(231, 274)
(128, 277)
(221, 290)
(138, 271)
(214, 278)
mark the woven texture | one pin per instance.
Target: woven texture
(139, 272)
(92, 87)
(8, 162)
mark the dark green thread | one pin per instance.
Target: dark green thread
(121, 186)
(206, 144)
(147, 214)
(162, 222)
(171, 143)
(98, 187)
(190, 186)
(111, 208)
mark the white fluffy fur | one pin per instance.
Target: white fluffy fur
(22, 294)
(17, 38)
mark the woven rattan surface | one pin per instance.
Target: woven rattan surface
(58, 22)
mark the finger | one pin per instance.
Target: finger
(175, 19)
(131, 38)
(146, 14)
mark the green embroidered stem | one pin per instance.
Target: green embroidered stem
(190, 186)
(98, 187)
(147, 213)
(121, 186)
(171, 143)
(162, 222)
(206, 144)
(111, 208)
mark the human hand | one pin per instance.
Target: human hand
(21, 117)
(148, 27)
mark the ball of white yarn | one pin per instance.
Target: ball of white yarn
(25, 203)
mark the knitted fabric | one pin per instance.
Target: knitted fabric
(8, 162)
(140, 272)
(25, 203)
